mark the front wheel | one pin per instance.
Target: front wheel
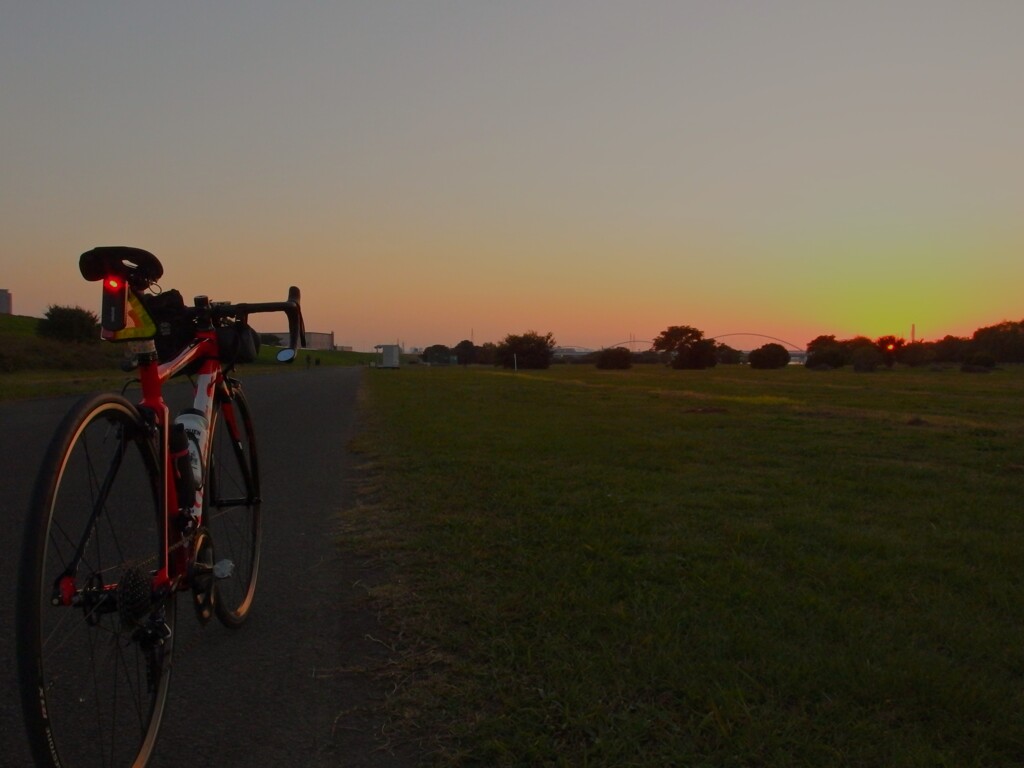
(232, 500)
(94, 637)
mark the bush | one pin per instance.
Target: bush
(529, 350)
(769, 356)
(614, 358)
(917, 354)
(827, 357)
(1003, 342)
(696, 356)
(465, 352)
(437, 354)
(867, 359)
(979, 362)
(726, 355)
(72, 324)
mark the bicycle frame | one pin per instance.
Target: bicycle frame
(210, 380)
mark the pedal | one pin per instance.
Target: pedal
(223, 569)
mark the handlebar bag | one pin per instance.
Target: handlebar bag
(238, 343)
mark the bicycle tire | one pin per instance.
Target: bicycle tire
(94, 675)
(233, 502)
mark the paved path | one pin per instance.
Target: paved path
(288, 688)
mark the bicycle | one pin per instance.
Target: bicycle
(130, 509)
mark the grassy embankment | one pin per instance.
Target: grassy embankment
(34, 367)
(719, 568)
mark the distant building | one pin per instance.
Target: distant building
(6, 302)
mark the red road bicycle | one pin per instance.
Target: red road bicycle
(130, 509)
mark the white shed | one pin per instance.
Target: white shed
(388, 355)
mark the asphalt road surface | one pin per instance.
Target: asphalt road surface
(290, 687)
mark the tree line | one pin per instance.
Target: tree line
(679, 346)
(985, 348)
(685, 347)
(527, 350)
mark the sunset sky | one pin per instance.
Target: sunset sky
(428, 172)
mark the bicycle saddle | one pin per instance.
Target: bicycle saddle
(134, 264)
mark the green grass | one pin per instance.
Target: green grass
(719, 568)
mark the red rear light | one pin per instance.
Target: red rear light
(115, 303)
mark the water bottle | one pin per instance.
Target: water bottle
(184, 480)
(194, 424)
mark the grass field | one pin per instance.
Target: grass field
(718, 568)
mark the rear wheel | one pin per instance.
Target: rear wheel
(94, 639)
(232, 500)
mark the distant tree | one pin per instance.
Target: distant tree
(69, 324)
(674, 338)
(486, 353)
(829, 352)
(684, 347)
(917, 354)
(466, 352)
(952, 349)
(437, 354)
(726, 355)
(1003, 342)
(696, 356)
(769, 356)
(857, 342)
(821, 343)
(890, 347)
(614, 358)
(528, 350)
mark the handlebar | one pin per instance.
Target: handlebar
(292, 309)
(120, 266)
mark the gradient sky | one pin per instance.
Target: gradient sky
(432, 171)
